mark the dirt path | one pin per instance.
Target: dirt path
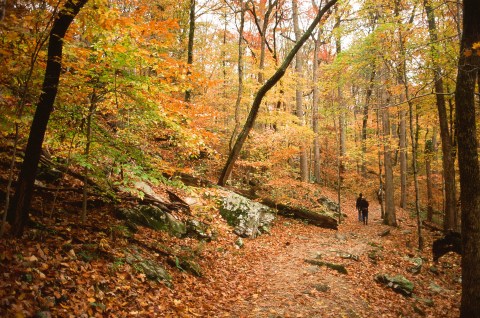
(287, 286)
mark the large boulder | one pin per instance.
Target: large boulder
(153, 217)
(249, 218)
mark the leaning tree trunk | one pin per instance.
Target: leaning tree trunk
(468, 72)
(447, 144)
(261, 93)
(18, 212)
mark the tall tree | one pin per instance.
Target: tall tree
(263, 90)
(20, 206)
(341, 109)
(299, 91)
(191, 37)
(238, 101)
(390, 216)
(468, 72)
(401, 78)
(315, 113)
(448, 151)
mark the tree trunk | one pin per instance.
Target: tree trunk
(240, 74)
(390, 217)
(365, 119)
(315, 113)
(445, 136)
(428, 171)
(91, 111)
(3, 5)
(380, 191)
(413, 136)
(302, 213)
(468, 71)
(299, 91)
(261, 93)
(18, 212)
(403, 158)
(341, 110)
(191, 37)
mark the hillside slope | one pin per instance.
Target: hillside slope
(63, 269)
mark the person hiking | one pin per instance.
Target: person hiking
(358, 204)
(364, 208)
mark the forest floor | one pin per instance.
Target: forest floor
(64, 269)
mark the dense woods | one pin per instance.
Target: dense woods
(261, 97)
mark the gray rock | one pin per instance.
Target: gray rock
(398, 283)
(329, 204)
(43, 314)
(435, 288)
(312, 269)
(147, 189)
(199, 230)
(151, 269)
(384, 233)
(249, 218)
(340, 237)
(417, 263)
(239, 242)
(321, 287)
(153, 217)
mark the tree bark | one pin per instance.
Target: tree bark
(341, 109)
(299, 91)
(315, 113)
(468, 71)
(18, 212)
(390, 217)
(403, 157)
(240, 74)
(304, 214)
(381, 190)
(191, 37)
(403, 77)
(261, 93)
(368, 97)
(91, 112)
(428, 171)
(445, 135)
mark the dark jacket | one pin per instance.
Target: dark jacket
(363, 205)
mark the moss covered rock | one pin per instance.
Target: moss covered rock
(153, 217)
(249, 218)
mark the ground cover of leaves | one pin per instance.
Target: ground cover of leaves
(65, 269)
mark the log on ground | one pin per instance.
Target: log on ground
(314, 218)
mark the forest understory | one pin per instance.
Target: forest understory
(61, 268)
